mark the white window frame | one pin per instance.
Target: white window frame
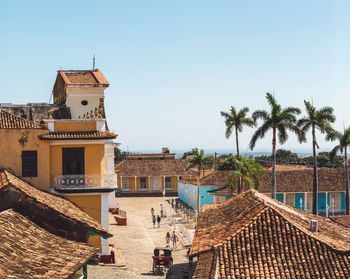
(219, 198)
(167, 183)
(309, 198)
(290, 199)
(125, 184)
(143, 184)
(337, 202)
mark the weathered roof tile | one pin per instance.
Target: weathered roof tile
(60, 205)
(254, 236)
(28, 251)
(90, 135)
(11, 121)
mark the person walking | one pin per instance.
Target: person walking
(167, 239)
(174, 237)
(161, 210)
(158, 221)
(154, 221)
(152, 212)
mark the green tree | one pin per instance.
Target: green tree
(119, 155)
(235, 120)
(286, 156)
(279, 120)
(248, 171)
(342, 146)
(197, 160)
(230, 163)
(321, 120)
(209, 163)
(189, 153)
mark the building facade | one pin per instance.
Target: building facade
(151, 175)
(73, 156)
(294, 187)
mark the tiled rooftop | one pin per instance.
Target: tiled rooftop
(10, 121)
(175, 167)
(343, 220)
(27, 251)
(255, 236)
(300, 180)
(60, 205)
(84, 77)
(91, 135)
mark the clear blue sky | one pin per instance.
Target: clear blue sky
(174, 65)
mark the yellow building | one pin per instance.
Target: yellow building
(151, 175)
(71, 155)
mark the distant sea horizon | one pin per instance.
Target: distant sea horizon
(302, 152)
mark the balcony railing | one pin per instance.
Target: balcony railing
(88, 180)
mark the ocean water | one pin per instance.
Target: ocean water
(211, 151)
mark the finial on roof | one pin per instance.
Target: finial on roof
(93, 63)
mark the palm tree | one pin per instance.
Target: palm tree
(248, 171)
(198, 161)
(321, 120)
(236, 120)
(344, 142)
(279, 121)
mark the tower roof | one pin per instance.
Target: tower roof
(83, 77)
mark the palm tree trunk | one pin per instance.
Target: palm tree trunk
(198, 186)
(273, 186)
(239, 189)
(347, 197)
(315, 190)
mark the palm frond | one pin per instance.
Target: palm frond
(260, 114)
(260, 133)
(282, 134)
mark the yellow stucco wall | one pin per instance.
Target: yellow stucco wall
(73, 126)
(91, 204)
(94, 155)
(174, 182)
(11, 154)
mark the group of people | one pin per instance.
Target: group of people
(173, 238)
(157, 219)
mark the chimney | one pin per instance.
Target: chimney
(313, 225)
(165, 150)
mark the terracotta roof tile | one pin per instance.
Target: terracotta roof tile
(47, 200)
(176, 167)
(11, 121)
(28, 251)
(270, 240)
(78, 135)
(84, 77)
(343, 220)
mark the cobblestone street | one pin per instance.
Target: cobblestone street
(137, 240)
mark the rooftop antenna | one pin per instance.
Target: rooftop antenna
(93, 63)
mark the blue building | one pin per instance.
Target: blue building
(294, 187)
(188, 194)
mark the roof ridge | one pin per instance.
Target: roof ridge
(96, 227)
(287, 221)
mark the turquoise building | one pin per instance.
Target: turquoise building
(294, 187)
(188, 194)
